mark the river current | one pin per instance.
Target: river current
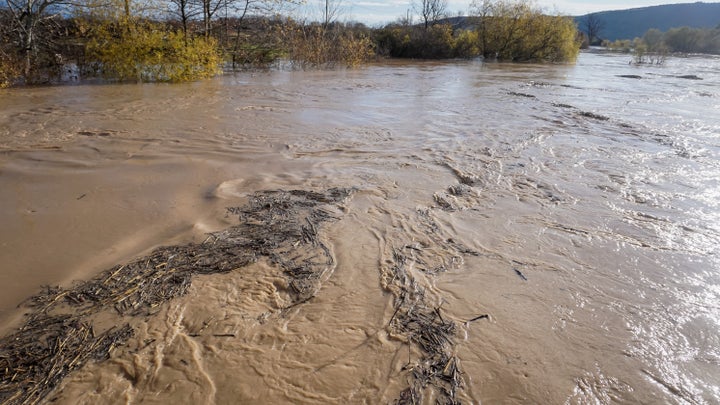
(577, 206)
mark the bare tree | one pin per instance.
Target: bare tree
(592, 25)
(430, 10)
(185, 11)
(243, 8)
(209, 8)
(483, 10)
(237, 9)
(331, 11)
(27, 18)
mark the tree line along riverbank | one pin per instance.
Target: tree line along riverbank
(180, 40)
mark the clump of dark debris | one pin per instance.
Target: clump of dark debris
(59, 336)
(593, 116)
(423, 324)
(425, 327)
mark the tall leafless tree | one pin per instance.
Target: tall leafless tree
(430, 10)
(243, 8)
(185, 11)
(27, 17)
(592, 25)
(209, 8)
(331, 11)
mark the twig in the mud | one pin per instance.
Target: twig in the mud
(296, 303)
(203, 327)
(393, 315)
(407, 366)
(437, 311)
(519, 273)
(477, 318)
(232, 210)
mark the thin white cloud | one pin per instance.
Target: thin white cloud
(376, 12)
(374, 4)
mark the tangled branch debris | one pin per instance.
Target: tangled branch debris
(59, 335)
(423, 325)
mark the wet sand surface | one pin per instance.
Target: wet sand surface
(514, 234)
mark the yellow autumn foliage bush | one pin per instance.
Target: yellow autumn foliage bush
(10, 69)
(507, 30)
(356, 49)
(130, 49)
(316, 46)
(518, 31)
(438, 41)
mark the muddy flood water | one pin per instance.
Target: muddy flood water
(450, 232)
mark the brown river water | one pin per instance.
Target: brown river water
(576, 206)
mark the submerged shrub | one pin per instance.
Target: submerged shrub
(317, 45)
(356, 49)
(467, 44)
(439, 41)
(517, 31)
(512, 30)
(144, 51)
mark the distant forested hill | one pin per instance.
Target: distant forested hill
(628, 24)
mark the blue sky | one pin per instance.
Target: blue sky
(376, 12)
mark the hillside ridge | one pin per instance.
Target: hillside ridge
(634, 22)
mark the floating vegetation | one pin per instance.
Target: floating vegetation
(36, 358)
(514, 93)
(59, 334)
(423, 324)
(594, 116)
(425, 327)
(689, 77)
